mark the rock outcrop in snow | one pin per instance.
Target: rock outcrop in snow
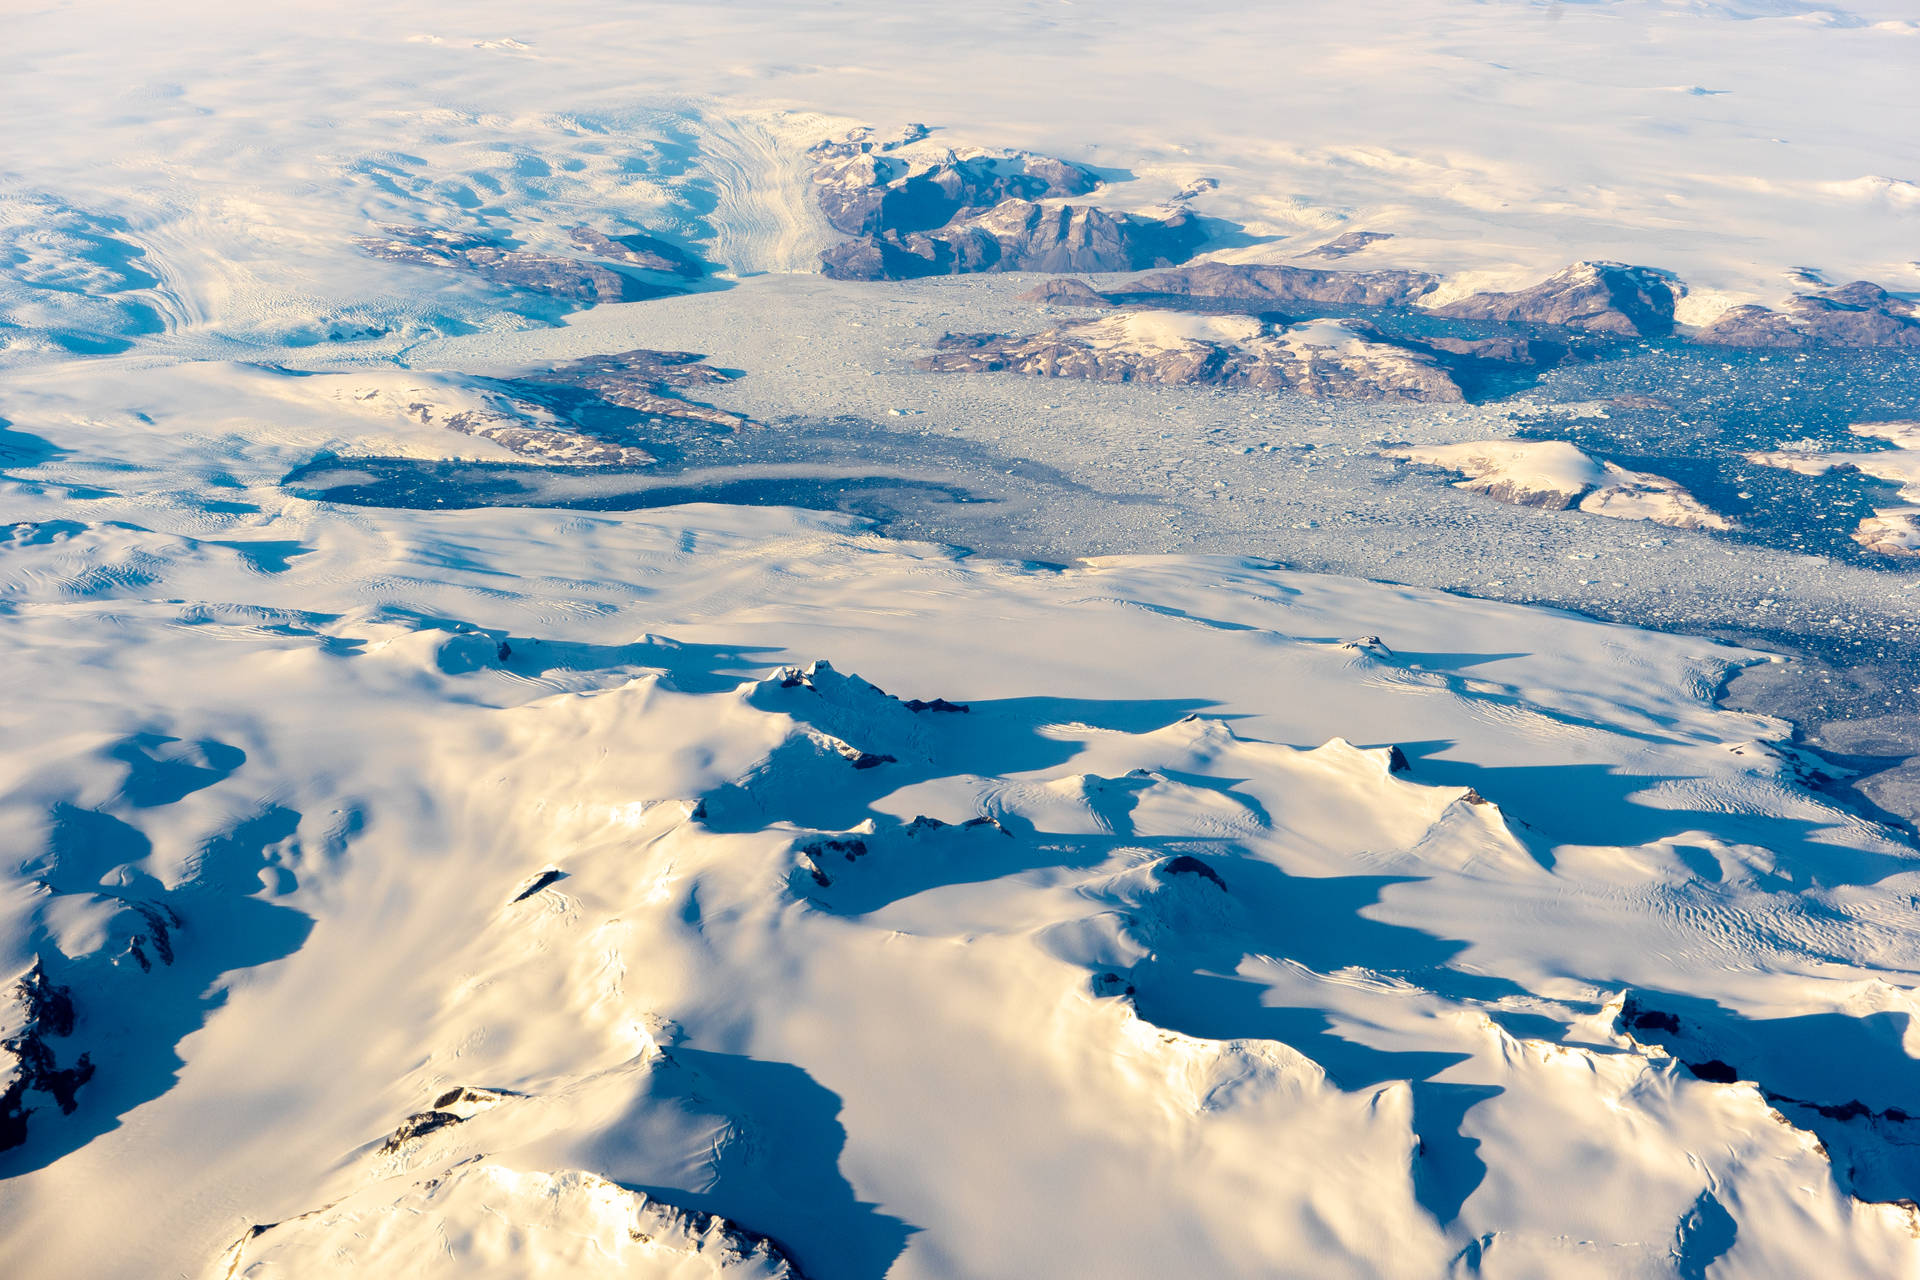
(637, 249)
(571, 280)
(598, 411)
(1601, 297)
(1021, 235)
(1347, 359)
(1280, 286)
(1861, 314)
(912, 209)
(647, 383)
(1067, 293)
(870, 186)
(1890, 531)
(1556, 475)
(37, 1013)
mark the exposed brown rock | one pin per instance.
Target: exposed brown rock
(541, 443)
(1603, 297)
(648, 252)
(539, 415)
(1891, 532)
(1066, 293)
(645, 381)
(570, 279)
(866, 188)
(915, 211)
(1554, 475)
(1130, 348)
(1020, 235)
(1861, 314)
(1282, 285)
(40, 1011)
(1521, 352)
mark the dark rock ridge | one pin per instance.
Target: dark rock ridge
(43, 1012)
(1343, 246)
(455, 1106)
(1186, 864)
(650, 253)
(866, 188)
(532, 440)
(1282, 285)
(1370, 366)
(815, 856)
(568, 279)
(577, 395)
(1067, 293)
(1861, 314)
(820, 677)
(646, 382)
(1020, 235)
(1872, 1152)
(919, 211)
(539, 882)
(1603, 297)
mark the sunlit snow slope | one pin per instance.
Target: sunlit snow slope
(481, 892)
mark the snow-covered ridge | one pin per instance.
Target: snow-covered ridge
(1346, 359)
(1555, 475)
(716, 938)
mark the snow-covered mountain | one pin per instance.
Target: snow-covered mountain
(547, 734)
(1187, 913)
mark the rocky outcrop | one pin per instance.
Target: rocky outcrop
(649, 253)
(1554, 475)
(1861, 314)
(37, 1012)
(1527, 353)
(568, 279)
(870, 187)
(915, 210)
(1020, 235)
(1891, 531)
(1601, 297)
(537, 442)
(455, 1106)
(560, 415)
(1280, 286)
(646, 382)
(1330, 360)
(1899, 465)
(1343, 246)
(1067, 293)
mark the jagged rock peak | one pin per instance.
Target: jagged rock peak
(637, 249)
(1020, 235)
(868, 188)
(1603, 297)
(1861, 314)
(41, 1010)
(1345, 359)
(1281, 285)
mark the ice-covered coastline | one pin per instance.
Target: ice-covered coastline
(601, 680)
